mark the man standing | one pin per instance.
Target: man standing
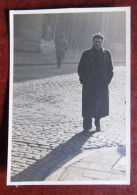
(61, 47)
(95, 72)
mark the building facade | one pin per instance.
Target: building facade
(38, 32)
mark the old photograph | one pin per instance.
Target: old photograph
(69, 104)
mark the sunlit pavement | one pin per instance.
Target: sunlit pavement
(92, 165)
(48, 140)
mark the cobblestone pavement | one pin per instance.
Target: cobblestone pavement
(47, 125)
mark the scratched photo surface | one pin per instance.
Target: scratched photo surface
(49, 104)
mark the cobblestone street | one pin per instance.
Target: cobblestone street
(48, 142)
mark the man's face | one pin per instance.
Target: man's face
(97, 43)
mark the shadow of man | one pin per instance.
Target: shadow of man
(54, 160)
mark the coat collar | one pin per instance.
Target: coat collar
(94, 49)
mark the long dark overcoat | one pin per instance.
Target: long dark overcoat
(95, 72)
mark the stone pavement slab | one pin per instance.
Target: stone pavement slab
(98, 164)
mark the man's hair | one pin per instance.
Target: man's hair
(98, 36)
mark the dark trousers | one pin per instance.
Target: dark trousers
(87, 122)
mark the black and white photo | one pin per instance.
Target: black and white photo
(69, 104)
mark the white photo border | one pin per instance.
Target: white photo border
(128, 92)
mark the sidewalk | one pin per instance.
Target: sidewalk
(97, 164)
(37, 58)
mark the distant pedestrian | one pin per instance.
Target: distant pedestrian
(61, 45)
(95, 72)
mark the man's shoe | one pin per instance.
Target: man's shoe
(87, 129)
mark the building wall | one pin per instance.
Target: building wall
(28, 32)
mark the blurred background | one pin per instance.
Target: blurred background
(35, 36)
